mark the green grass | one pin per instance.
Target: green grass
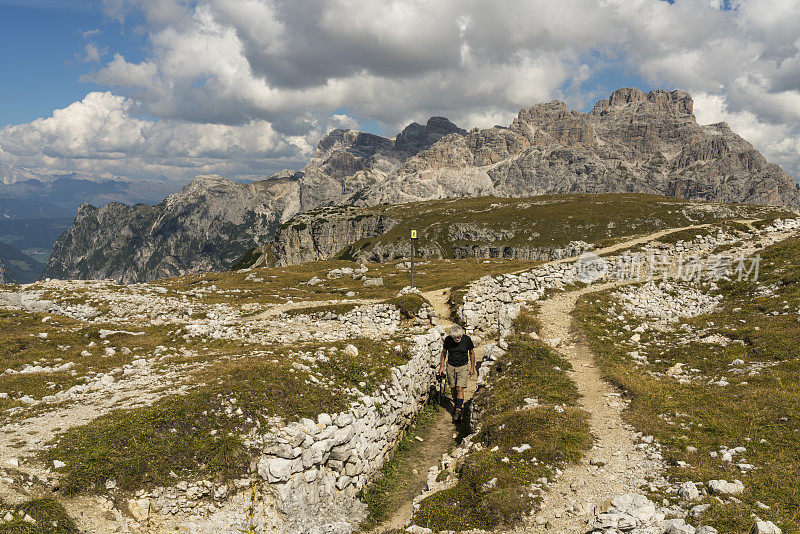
(393, 485)
(530, 369)
(409, 305)
(758, 412)
(199, 435)
(527, 321)
(279, 284)
(547, 221)
(50, 516)
(20, 345)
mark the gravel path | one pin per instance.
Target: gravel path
(613, 466)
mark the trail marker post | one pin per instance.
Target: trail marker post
(413, 239)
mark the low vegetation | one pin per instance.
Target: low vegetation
(408, 304)
(696, 421)
(396, 482)
(47, 515)
(282, 284)
(66, 351)
(199, 435)
(527, 321)
(529, 426)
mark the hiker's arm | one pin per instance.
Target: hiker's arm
(471, 362)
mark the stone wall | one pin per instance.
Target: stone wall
(310, 472)
(523, 253)
(491, 303)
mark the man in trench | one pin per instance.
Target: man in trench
(458, 352)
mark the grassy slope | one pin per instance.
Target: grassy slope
(275, 285)
(544, 221)
(199, 435)
(21, 344)
(759, 412)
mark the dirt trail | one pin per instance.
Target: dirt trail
(278, 309)
(442, 434)
(613, 466)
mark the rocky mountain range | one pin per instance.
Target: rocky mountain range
(213, 221)
(632, 142)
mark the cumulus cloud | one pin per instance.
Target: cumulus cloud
(230, 67)
(99, 134)
(780, 143)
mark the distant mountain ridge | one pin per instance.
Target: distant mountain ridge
(213, 221)
(632, 142)
(17, 267)
(65, 193)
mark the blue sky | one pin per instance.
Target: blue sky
(40, 43)
(172, 88)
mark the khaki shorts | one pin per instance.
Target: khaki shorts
(457, 376)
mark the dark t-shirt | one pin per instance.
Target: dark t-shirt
(458, 353)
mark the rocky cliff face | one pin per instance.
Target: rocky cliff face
(205, 227)
(347, 161)
(311, 238)
(631, 142)
(213, 221)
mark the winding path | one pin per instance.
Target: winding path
(613, 466)
(440, 437)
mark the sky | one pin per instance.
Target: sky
(143, 89)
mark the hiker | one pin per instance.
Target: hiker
(458, 352)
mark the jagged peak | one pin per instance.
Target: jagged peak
(677, 101)
(208, 180)
(415, 136)
(341, 138)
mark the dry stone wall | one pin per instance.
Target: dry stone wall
(310, 472)
(492, 302)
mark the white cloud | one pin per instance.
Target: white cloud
(92, 53)
(287, 66)
(99, 135)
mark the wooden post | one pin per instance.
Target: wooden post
(413, 238)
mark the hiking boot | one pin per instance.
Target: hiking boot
(457, 415)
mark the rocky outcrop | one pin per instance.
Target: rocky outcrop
(16, 267)
(311, 238)
(205, 227)
(630, 142)
(6, 274)
(347, 161)
(524, 253)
